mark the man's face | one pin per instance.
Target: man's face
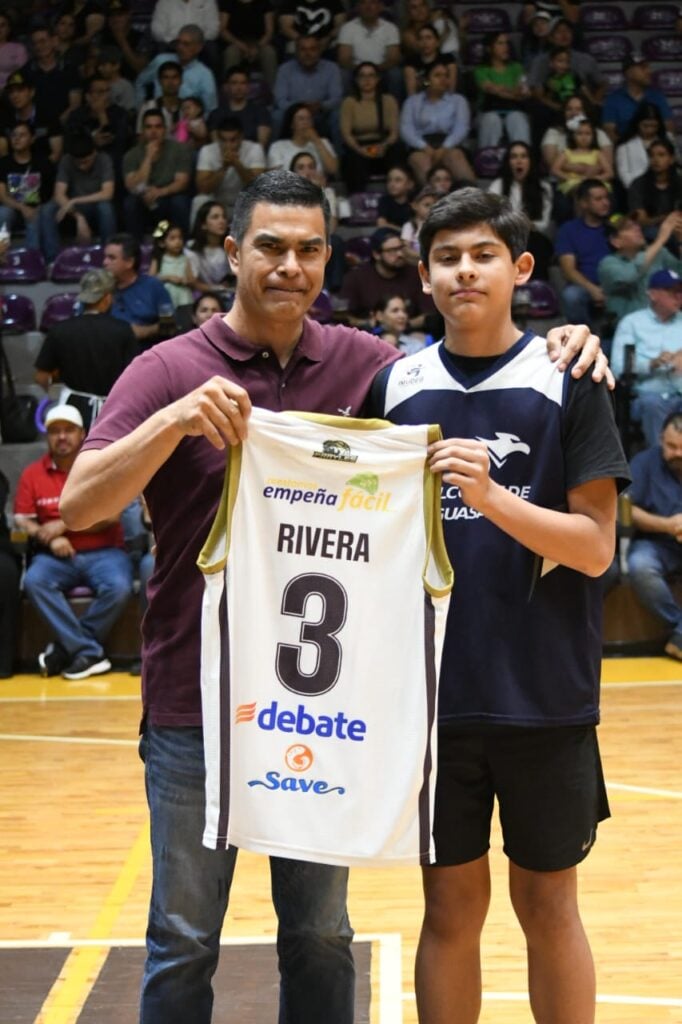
(153, 129)
(640, 74)
(43, 44)
(20, 96)
(281, 261)
(64, 439)
(308, 51)
(666, 302)
(597, 203)
(671, 448)
(187, 48)
(86, 163)
(390, 257)
(116, 262)
(369, 10)
(238, 87)
(562, 35)
(629, 237)
(99, 93)
(20, 138)
(230, 141)
(170, 81)
(660, 159)
(560, 63)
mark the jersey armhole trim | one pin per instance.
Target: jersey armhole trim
(218, 540)
(436, 553)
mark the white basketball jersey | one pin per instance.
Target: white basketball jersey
(327, 585)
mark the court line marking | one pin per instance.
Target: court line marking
(646, 790)
(34, 738)
(614, 1000)
(51, 699)
(633, 684)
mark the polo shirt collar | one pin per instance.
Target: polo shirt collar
(240, 349)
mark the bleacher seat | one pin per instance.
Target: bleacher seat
(363, 208)
(602, 18)
(608, 49)
(56, 308)
(613, 78)
(677, 119)
(321, 309)
(146, 250)
(474, 52)
(543, 300)
(18, 313)
(73, 261)
(655, 17)
(488, 160)
(23, 266)
(663, 48)
(484, 20)
(668, 80)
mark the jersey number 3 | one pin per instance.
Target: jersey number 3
(321, 633)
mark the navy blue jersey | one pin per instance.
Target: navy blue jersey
(523, 639)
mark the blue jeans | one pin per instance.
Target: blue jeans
(107, 572)
(578, 306)
(190, 892)
(41, 232)
(651, 410)
(100, 217)
(648, 564)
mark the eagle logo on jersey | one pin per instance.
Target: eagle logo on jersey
(298, 758)
(340, 451)
(502, 446)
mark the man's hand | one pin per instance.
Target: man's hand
(61, 547)
(565, 343)
(466, 464)
(47, 532)
(150, 195)
(153, 149)
(218, 409)
(675, 527)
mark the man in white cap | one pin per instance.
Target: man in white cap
(64, 559)
(87, 353)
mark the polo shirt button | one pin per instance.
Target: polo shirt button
(266, 355)
(283, 384)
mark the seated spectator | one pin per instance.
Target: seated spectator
(13, 55)
(632, 154)
(440, 179)
(369, 129)
(388, 274)
(621, 105)
(10, 574)
(391, 321)
(26, 184)
(535, 38)
(520, 180)
(656, 334)
(247, 28)
(170, 263)
(121, 90)
(191, 128)
(581, 160)
(308, 78)
(64, 559)
(197, 78)
(420, 13)
(206, 306)
(623, 274)
(554, 140)
(655, 552)
(171, 16)
(421, 204)
(502, 92)
(69, 53)
(428, 52)
(84, 189)
(586, 69)
(168, 101)
(157, 173)
(580, 244)
(568, 9)
(106, 122)
(368, 37)
(319, 18)
(434, 123)
(658, 191)
(253, 115)
(89, 19)
(139, 299)
(299, 133)
(552, 92)
(206, 250)
(226, 165)
(304, 164)
(133, 43)
(394, 208)
(86, 354)
(57, 86)
(20, 109)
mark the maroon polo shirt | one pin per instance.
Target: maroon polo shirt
(331, 371)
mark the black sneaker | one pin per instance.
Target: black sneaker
(52, 660)
(83, 666)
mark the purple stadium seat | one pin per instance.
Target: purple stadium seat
(72, 262)
(543, 300)
(487, 161)
(25, 266)
(669, 81)
(363, 208)
(608, 49)
(602, 18)
(663, 48)
(677, 119)
(17, 313)
(655, 17)
(146, 250)
(321, 309)
(56, 308)
(613, 77)
(485, 20)
(358, 250)
(474, 52)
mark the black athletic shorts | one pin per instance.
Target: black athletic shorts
(548, 782)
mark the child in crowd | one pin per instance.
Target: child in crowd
(421, 204)
(170, 262)
(191, 127)
(206, 251)
(392, 324)
(394, 208)
(441, 179)
(581, 159)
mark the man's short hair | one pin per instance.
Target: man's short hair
(280, 188)
(585, 187)
(381, 235)
(169, 65)
(130, 247)
(229, 123)
(237, 69)
(195, 31)
(470, 206)
(153, 112)
(674, 420)
(80, 145)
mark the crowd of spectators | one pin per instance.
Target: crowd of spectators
(135, 127)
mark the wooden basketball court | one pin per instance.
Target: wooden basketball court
(74, 871)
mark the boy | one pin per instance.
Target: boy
(529, 462)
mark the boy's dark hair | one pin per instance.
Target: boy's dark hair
(470, 206)
(229, 123)
(80, 145)
(281, 188)
(585, 187)
(130, 247)
(153, 112)
(169, 65)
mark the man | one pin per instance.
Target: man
(132, 43)
(104, 120)
(623, 273)
(310, 79)
(253, 116)
(621, 104)
(368, 37)
(86, 354)
(21, 109)
(311, 18)
(157, 174)
(139, 299)
(171, 16)
(169, 418)
(122, 93)
(63, 559)
(84, 189)
(656, 334)
(580, 244)
(225, 166)
(655, 552)
(57, 87)
(168, 102)
(26, 183)
(585, 67)
(197, 79)
(389, 274)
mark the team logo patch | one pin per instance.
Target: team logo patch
(502, 446)
(366, 482)
(245, 713)
(337, 450)
(298, 758)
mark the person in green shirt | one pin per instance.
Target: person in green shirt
(623, 275)
(502, 90)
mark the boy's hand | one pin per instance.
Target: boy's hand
(564, 343)
(466, 464)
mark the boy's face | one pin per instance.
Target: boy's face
(560, 63)
(471, 275)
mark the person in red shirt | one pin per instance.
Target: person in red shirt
(64, 559)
